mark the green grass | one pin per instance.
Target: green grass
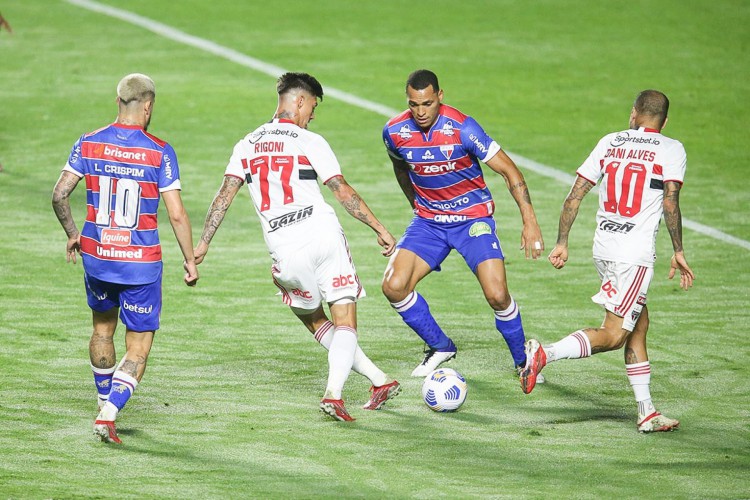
(228, 406)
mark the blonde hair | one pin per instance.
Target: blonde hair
(136, 87)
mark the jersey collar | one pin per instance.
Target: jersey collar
(132, 127)
(649, 130)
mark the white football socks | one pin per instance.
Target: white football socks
(362, 364)
(574, 346)
(340, 360)
(639, 376)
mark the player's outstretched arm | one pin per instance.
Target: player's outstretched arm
(357, 208)
(673, 221)
(531, 235)
(568, 214)
(401, 169)
(230, 186)
(61, 204)
(183, 231)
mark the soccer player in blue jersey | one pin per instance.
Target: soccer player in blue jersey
(435, 150)
(127, 170)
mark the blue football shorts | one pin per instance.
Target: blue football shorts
(140, 305)
(474, 239)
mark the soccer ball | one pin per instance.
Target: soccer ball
(444, 390)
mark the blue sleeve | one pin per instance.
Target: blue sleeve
(169, 173)
(74, 160)
(474, 139)
(389, 145)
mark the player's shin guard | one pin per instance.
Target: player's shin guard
(362, 364)
(508, 323)
(340, 360)
(123, 386)
(103, 381)
(416, 313)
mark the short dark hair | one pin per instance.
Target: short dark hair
(421, 79)
(652, 103)
(301, 81)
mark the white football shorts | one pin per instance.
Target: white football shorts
(320, 271)
(623, 289)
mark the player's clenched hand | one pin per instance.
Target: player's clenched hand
(558, 256)
(200, 252)
(191, 273)
(679, 263)
(72, 248)
(388, 242)
(531, 241)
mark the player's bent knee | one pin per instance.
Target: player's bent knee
(498, 300)
(395, 290)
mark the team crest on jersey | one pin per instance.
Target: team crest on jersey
(479, 228)
(447, 128)
(428, 155)
(405, 132)
(447, 151)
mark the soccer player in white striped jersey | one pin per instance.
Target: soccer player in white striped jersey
(641, 173)
(281, 162)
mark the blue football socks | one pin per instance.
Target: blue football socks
(416, 313)
(508, 323)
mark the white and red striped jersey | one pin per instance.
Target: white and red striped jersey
(633, 166)
(281, 164)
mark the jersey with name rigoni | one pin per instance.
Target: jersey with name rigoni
(125, 169)
(633, 166)
(443, 164)
(281, 164)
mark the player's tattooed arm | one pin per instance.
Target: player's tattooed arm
(357, 208)
(350, 200)
(216, 212)
(61, 202)
(672, 214)
(520, 192)
(569, 211)
(219, 206)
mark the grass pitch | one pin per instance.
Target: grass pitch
(228, 406)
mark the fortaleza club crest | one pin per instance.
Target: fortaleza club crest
(479, 228)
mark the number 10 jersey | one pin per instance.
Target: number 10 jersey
(126, 170)
(633, 166)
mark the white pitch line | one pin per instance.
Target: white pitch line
(276, 71)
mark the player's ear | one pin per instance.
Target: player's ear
(666, 119)
(440, 95)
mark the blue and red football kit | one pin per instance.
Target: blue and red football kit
(453, 210)
(125, 169)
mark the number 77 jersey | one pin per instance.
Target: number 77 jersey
(633, 166)
(281, 164)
